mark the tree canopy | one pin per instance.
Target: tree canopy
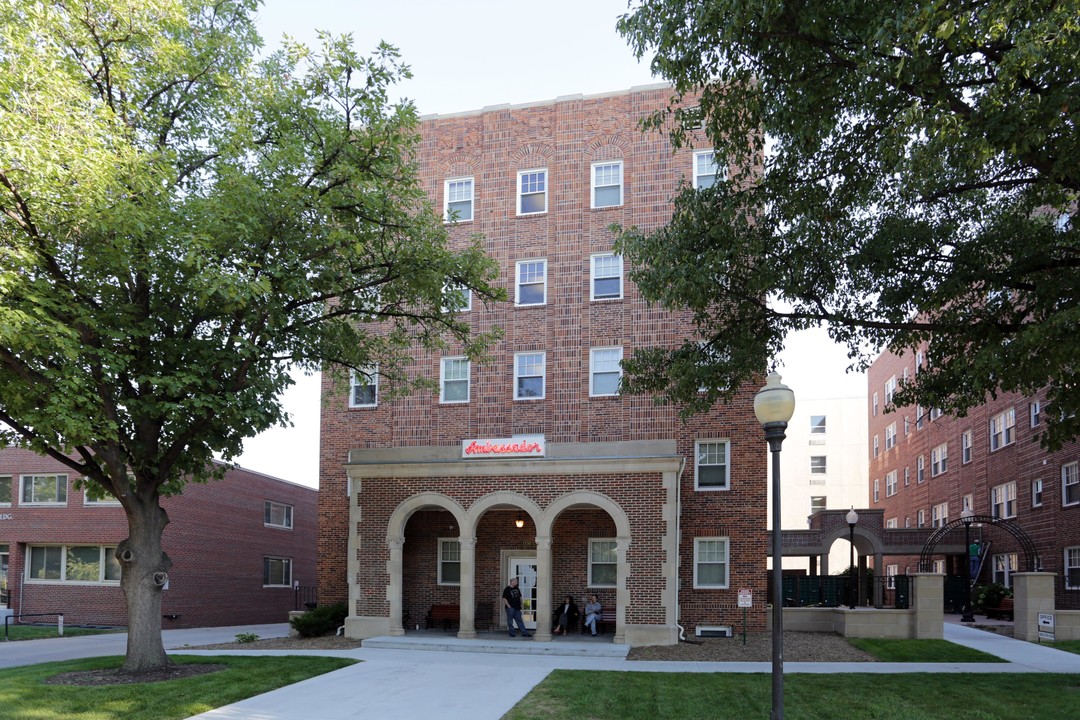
(920, 187)
(181, 222)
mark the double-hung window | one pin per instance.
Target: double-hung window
(603, 563)
(920, 469)
(277, 572)
(529, 373)
(890, 483)
(1070, 483)
(890, 389)
(939, 515)
(1034, 410)
(966, 440)
(531, 282)
(532, 191)
(44, 490)
(711, 562)
(890, 436)
(457, 298)
(458, 204)
(939, 459)
(1004, 566)
(449, 561)
(5, 490)
(606, 282)
(1003, 429)
(1003, 500)
(277, 514)
(818, 427)
(706, 170)
(920, 518)
(819, 465)
(907, 476)
(605, 371)
(1036, 493)
(877, 446)
(364, 387)
(877, 489)
(607, 184)
(454, 380)
(1072, 568)
(712, 467)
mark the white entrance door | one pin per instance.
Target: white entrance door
(524, 569)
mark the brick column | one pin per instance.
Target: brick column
(1033, 593)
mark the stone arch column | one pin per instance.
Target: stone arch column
(467, 600)
(543, 576)
(622, 593)
(393, 590)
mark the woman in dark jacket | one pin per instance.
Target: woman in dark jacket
(565, 616)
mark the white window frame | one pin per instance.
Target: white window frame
(1003, 500)
(920, 518)
(877, 446)
(522, 177)
(725, 563)
(458, 184)
(60, 484)
(1072, 567)
(285, 563)
(286, 511)
(613, 269)
(890, 436)
(819, 464)
(442, 560)
(597, 169)
(456, 363)
(10, 489)
(1003, 567)
(104, 553)
(1034, 413)
(939, 515)
(890, 483)
(877, 489)
(372, 372)
(604, 560)
(907, 476)
(967, 438)
(703, 161)
(890, 389)
(967, 502)
(939, 566)
(462, 291)
(819, 425)
(891, 571)
(1003, 429)
(920, 470)
(1070, 484)
(535, 369)
(601, 364)
(818, 503)
(704, 450)
(1036, 493)
(106, 499)
(939, 460)
(875, 404)
(531, 279)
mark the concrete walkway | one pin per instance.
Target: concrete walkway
(438, 675)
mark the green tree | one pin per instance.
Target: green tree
(180, 224)
(919, 185)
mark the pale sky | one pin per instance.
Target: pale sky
(467, 55)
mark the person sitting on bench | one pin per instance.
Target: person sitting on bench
(592, 613)
(566, 616)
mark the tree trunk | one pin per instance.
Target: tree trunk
(145, 569)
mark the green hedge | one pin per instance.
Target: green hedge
(321, 620)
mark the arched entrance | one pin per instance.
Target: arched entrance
(1026, 544)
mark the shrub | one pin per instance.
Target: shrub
(321, 620)
(990, 595)
(246, 637)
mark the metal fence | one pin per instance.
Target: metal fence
(841, 591)
(305, 598)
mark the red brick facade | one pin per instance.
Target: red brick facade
(216, 539)
(565, 137)
(1053, 524)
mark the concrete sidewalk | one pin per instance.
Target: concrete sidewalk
(435, 675)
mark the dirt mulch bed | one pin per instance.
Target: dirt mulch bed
(798, 647)
(329, 642)
(113, 676)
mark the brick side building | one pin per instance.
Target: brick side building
(926, 467)
(580, 490)
(237, 546)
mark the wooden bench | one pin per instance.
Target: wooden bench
(1004, 608)
(607, 617)
(448, 615)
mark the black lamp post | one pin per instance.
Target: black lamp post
(852, 518)
(966, 516)
(774, 405)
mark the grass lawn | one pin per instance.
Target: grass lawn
(719, 696)
(1072, 646)
(37, 632)
(921, 651)
(23, 696)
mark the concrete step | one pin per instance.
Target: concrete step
(493, 644)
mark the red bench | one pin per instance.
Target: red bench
(607, 617)
(1004, 610)
(448, 615)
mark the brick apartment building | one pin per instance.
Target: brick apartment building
(237, 546)
(532, 464)
(926, 467)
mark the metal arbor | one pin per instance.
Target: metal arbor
(1026, 544)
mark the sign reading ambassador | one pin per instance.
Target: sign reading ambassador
(518, 446)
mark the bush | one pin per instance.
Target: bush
(989, 596)
(321, 620)
(246, 637)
